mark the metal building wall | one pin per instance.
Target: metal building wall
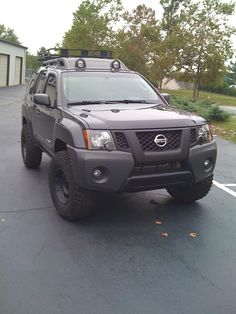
(17, 63)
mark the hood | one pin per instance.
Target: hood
(134, 117)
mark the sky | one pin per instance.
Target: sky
(44, 22)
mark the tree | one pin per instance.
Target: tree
(171, 16)
(32, 61)
(166, 50)
(8, 34)
(133, 40)
(206, 40)
(93, 25)
(41, 51)
(230, 77)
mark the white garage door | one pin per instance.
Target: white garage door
(3, 69)
(17, 77)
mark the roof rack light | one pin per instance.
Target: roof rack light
(80, 63)
(115, 65)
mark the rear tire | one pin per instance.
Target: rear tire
(72, 202)
(31, 154)
(191, 193)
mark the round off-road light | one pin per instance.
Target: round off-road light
(97, 173)
(80, 63)
(116, 65)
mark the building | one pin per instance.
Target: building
(173, 84)
(12, 63)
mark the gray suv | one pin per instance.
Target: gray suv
(107, 130)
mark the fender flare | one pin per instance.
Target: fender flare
(70, 132)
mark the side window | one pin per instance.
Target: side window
(51, 90)
(40, 85)
(31, 86)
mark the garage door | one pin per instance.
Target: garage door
(18, 67)
(3, 70)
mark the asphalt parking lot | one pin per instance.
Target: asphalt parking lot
(115, 261)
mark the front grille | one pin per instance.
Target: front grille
(159, 167)
(121, 141)
(146, 140)
(193, 136)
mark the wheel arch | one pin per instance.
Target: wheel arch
(67, 132)
(24, 120)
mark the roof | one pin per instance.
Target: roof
(90, 64)
(13, 44)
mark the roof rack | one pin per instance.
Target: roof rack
(55, 53)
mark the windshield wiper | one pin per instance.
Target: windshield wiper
(129, 101)
(123, 101)
(86, 102)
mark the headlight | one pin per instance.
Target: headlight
(204, 134)
(95, 139)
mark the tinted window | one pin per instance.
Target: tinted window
(31, 86)
(40, 86)
(51, 89)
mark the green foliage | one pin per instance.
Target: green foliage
(204, 108)
(192, 40)
(230, 91)
(206, 40)
(41, 51)
(8, 34)
(226, 129)
(135, 38)
(32, 61)
(222, 100)
(230, 77)
(93, 25)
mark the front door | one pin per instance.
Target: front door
(45, 115)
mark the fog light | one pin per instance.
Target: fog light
(97, 174)
(207, 164)
(109, 146)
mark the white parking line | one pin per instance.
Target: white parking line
(224, 188)
(231, 184)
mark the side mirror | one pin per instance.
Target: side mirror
(166, 97)
(42, 99)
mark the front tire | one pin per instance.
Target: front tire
(31, 154)
(191, 193)
(71, 202)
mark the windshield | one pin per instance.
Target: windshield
(107, 87)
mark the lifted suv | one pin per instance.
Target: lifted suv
(108, 129)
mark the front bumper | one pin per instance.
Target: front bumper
(119, 175)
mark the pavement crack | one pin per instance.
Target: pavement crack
(197, 272)
(39, 252)
(24, 210)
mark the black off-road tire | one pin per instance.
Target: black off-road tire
(191, 193)
(71, 202)
(31, 154)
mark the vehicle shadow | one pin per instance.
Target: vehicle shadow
(128, 215)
